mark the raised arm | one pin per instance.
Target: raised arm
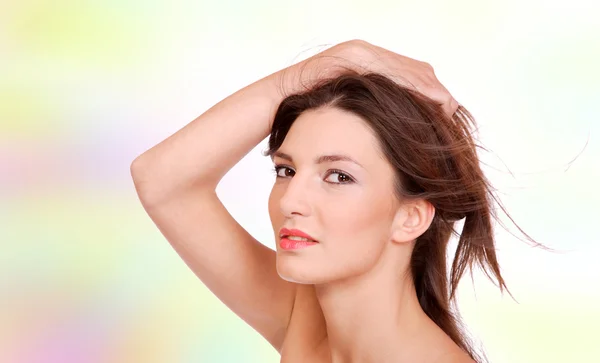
(176, 182)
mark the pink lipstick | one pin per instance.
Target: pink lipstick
(294, 244)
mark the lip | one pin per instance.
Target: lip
(284, 232)
(288, 244)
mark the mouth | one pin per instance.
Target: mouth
(287, 244)
(296, 235)
(294, 239)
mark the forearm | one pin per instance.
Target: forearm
(203, 151)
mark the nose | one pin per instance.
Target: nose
(295, 198)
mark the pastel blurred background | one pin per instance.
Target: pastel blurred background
(86, 86)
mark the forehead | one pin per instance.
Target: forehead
(331, 131)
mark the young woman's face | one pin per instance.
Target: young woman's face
(348, 210)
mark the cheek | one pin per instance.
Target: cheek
(361, 216)
(358, 229)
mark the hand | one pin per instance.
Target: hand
(365, 57)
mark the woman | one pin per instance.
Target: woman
(374, 165)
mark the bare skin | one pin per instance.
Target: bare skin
(357, 307)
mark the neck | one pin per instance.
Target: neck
(374, 317)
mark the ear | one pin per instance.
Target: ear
(412, 219)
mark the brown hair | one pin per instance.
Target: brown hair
(435, 159)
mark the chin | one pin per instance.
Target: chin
(298, 270)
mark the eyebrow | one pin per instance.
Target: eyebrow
(319, 160)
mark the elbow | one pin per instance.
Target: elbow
(135, 168)
(141, 181)
(155, 185)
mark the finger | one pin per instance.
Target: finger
(448, 103)
(453, 106)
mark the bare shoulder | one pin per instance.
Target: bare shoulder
(450, 352)
(455, 356)
(446, 350)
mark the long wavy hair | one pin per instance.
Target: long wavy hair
(435, 158)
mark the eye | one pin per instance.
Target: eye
(342, 178)
(278, 168)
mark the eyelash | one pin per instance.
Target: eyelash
(277, 167)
